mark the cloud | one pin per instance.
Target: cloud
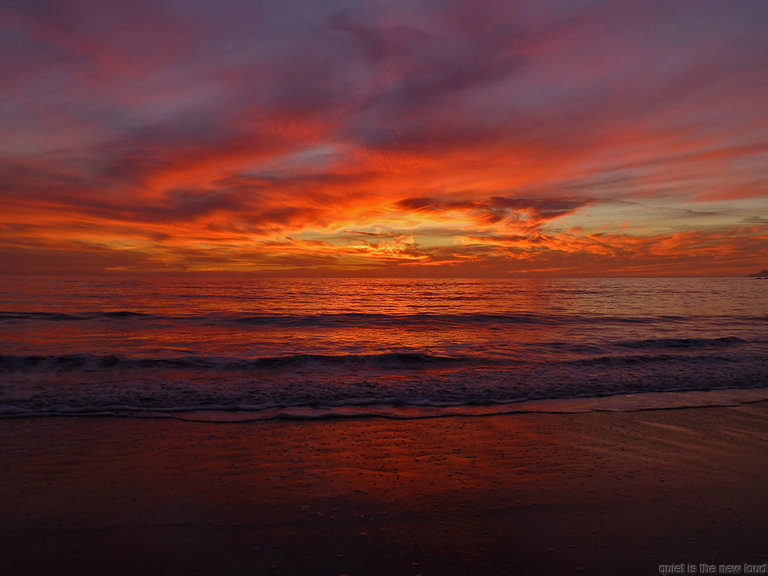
(522, 213)
(167, 125)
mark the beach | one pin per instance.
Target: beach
(592, 493)
(377, 288)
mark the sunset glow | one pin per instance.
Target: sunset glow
(385, 138)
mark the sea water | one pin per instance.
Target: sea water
(234, 348)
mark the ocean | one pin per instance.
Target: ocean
(237, 349)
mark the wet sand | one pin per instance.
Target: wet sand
(597, 493)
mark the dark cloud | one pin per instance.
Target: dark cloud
(190, 204)
(498, 208)
(419, 204)
(542, 208)
(761, 220)
(75, 259)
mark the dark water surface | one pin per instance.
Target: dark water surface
(224, 348)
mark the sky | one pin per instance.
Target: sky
(385, 138)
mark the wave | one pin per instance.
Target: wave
(314, 386)
(620, 353)
(299, 320)
(74, 316)
(52, 316)
(418, 410)
(635, 359)
(392, 360)
(688, 343)
(342, 318)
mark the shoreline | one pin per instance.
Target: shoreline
(526, 493)
(612, 403)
